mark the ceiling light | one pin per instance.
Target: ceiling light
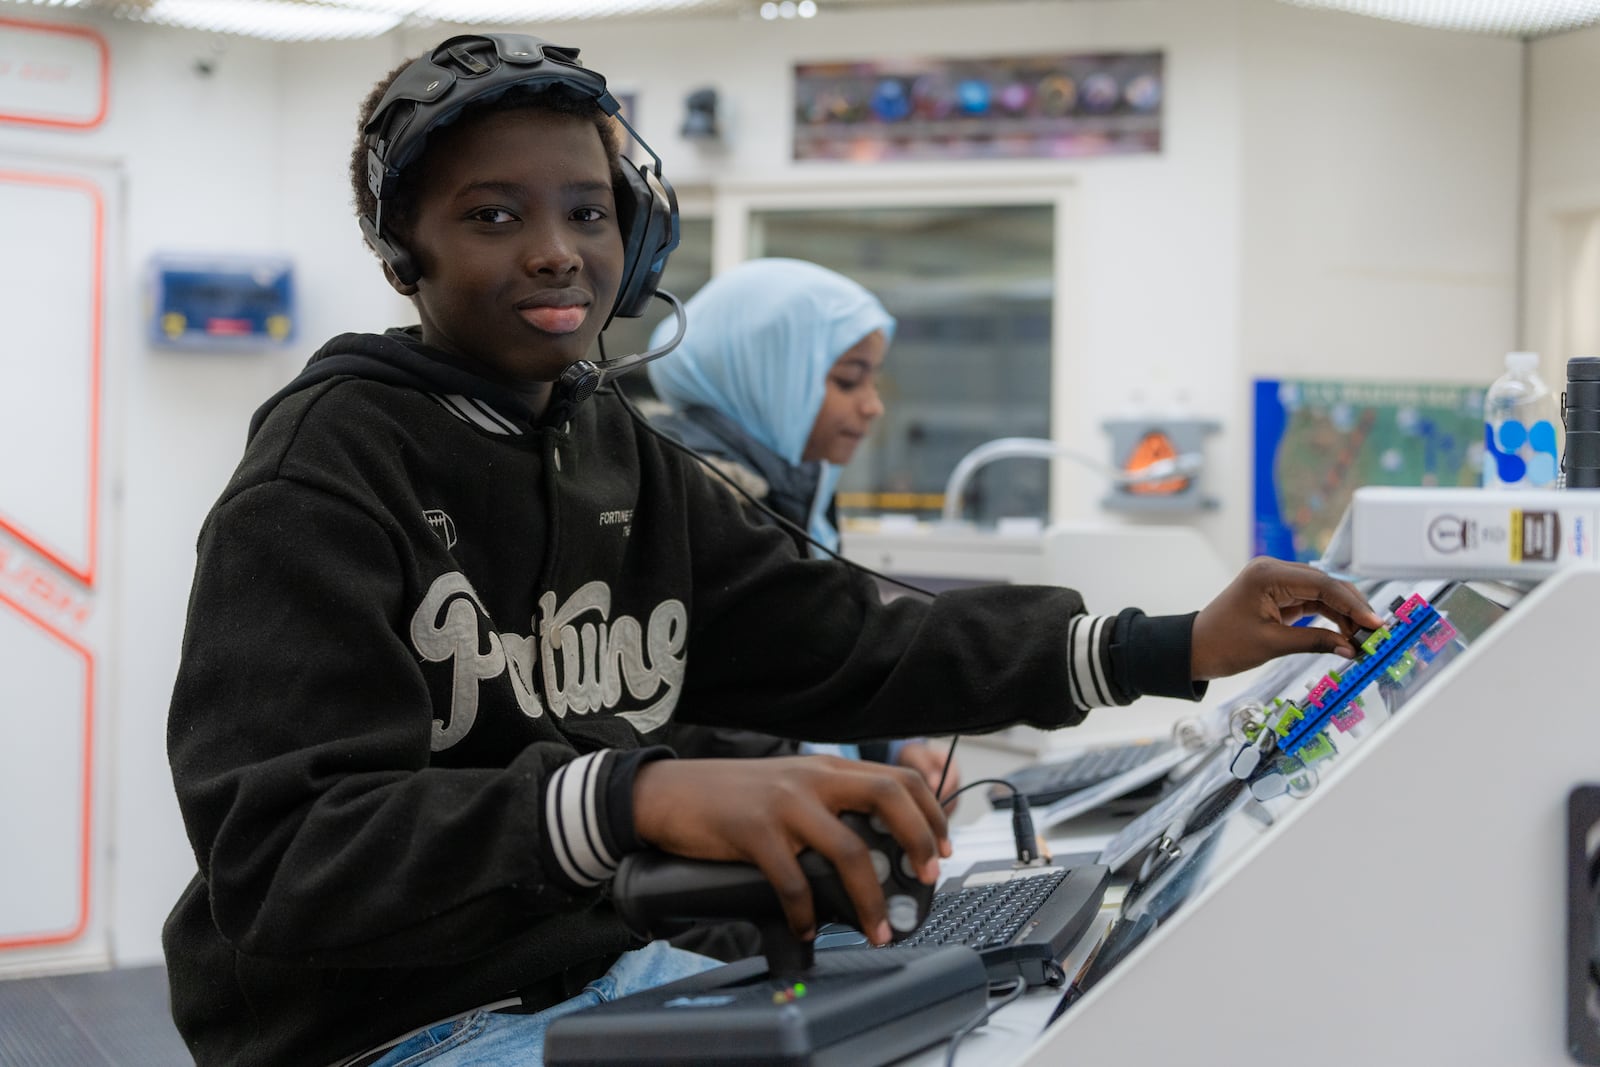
(511, 12)
(272, 20)
(310, 20)
(306, 20)
(1512, 18)
(392, 7)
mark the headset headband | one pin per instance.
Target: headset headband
(465, 70)
(432, 91)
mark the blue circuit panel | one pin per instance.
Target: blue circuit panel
(1415, 633)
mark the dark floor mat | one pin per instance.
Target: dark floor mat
(114, 1018)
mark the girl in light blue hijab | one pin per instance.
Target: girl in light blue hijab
(775, 384)
(759, 379)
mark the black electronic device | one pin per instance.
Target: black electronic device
(1580, 416)
(1167, 879)
(1022, 920)
(1050, 781)
(657, 893)
(851, 1009)
(789, 1006)
(1583, 924)
(1174, 807)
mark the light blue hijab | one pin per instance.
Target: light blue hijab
(760, 342)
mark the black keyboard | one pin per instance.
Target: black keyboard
(1046, 783)
(1021, 921)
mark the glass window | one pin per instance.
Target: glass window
(972, 290)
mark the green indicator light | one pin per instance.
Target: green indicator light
(799, 989)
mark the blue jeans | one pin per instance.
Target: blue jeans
(490, 1039)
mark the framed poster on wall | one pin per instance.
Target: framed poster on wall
(1004, 107)
(1317, 441)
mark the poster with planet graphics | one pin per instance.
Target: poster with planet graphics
(1007, 107)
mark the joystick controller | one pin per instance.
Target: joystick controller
(659, 894)
(858, 1006)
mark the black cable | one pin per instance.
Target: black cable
(1121, 938)
(784, 523)
(944, 772)
(1012, 995)
(1022, 831)
(1159, 890)
(787, 524)
(986, 781)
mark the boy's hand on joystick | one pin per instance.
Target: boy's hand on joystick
(766, 812)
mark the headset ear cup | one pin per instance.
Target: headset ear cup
(404, 267)
(394, 256)
(647, 210)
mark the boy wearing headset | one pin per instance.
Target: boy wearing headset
(448, 601)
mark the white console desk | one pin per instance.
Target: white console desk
(1410, 911)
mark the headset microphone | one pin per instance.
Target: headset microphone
(610, 368)
(579, 381)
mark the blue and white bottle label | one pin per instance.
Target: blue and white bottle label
(1515, 454)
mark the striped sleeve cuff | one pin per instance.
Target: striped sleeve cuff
(1089, 649)
(588, 814)
(580, 843)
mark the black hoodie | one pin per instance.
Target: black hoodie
(428, 632)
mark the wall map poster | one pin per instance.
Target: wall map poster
(1316, 442)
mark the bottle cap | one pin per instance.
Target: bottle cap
(1522, 362)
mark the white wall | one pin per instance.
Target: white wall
(1563, 178)
(1381, 172)
(209, 164)
(1334, 196)
(1380, 193)
(1148, 291)
(218, 163)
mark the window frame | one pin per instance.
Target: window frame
(1071, 422)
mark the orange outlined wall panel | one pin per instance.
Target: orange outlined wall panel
(54, 76)
(51, 300)
(47, 721)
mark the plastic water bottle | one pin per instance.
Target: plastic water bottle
(1521, 428)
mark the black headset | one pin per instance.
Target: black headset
(476, 68)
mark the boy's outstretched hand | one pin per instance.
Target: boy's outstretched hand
(1252, 620)
(766, 811)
